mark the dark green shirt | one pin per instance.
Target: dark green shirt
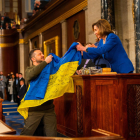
(31, 73)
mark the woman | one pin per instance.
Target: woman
(110, 47)
(10, 87)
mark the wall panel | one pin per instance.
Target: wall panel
(80, 17)
(52, 32)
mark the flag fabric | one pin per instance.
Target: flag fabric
(54, 80)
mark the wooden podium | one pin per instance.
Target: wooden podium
(1, 100)
(101, 105)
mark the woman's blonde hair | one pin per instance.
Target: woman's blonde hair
(104, 27)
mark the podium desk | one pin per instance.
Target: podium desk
(1, 100)
(5, 129)
(101, 105)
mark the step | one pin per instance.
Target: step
(9, 105)
(10, 113)
(10, 109)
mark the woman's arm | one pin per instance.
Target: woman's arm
(111, 42)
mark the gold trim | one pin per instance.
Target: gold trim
(2, 45)
(64, 16)
(19, 30)
(21, 41)
(56, 39)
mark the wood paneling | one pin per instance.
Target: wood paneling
(101, 104)
(9, 49)
(52, 32)
(10, 137)
(1, 100)
(53, 10)
(70, 33)
(9, 59)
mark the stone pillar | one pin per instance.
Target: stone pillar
(21, 54)
(107, 12)
(137, 33)
(40, 42)
(93, 15)
(30, 48)
(86, 23)
(64, 36)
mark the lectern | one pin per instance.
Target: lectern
(101, 105)
(1, 100)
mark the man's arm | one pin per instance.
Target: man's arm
(33, 72)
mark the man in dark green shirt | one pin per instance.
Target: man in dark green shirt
(45, 111)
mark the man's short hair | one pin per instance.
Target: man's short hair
(31, 54)
(20, 73)
(22, 80)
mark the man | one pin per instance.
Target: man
(3, 81)
(22, 90)
(45, 111)
(16, 87)
(21, 77)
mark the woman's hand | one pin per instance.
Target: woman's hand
(80, 47)
(91, 45)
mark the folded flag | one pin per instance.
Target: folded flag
(54, 80)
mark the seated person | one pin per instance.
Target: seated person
(14, 26)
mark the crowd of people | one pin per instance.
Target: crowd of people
(39, 5)
(14, 85)
(6, 22)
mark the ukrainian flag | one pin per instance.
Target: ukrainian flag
(54, 80)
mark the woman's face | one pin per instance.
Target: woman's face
(96, 31)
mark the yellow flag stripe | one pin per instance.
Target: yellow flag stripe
(58, 84)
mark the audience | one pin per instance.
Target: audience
(3, 81)
(15, 87)
(22, 90)
(21, 77)
(14, 26)
(10, 87)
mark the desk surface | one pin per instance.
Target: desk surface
(5, 129)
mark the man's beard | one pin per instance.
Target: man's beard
(39, 61)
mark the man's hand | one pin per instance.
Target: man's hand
(80, 47)
(48, 59)
(79, 72)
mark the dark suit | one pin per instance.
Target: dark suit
(16, 86)
(22, 79)
(22, 91)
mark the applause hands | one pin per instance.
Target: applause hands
(48, 59)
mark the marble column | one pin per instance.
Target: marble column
(107, 12)
(86, 23)
(21, 52)
(92, 15)
(64, 36)
(137, 32)
(40, 42)
(30, 48)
